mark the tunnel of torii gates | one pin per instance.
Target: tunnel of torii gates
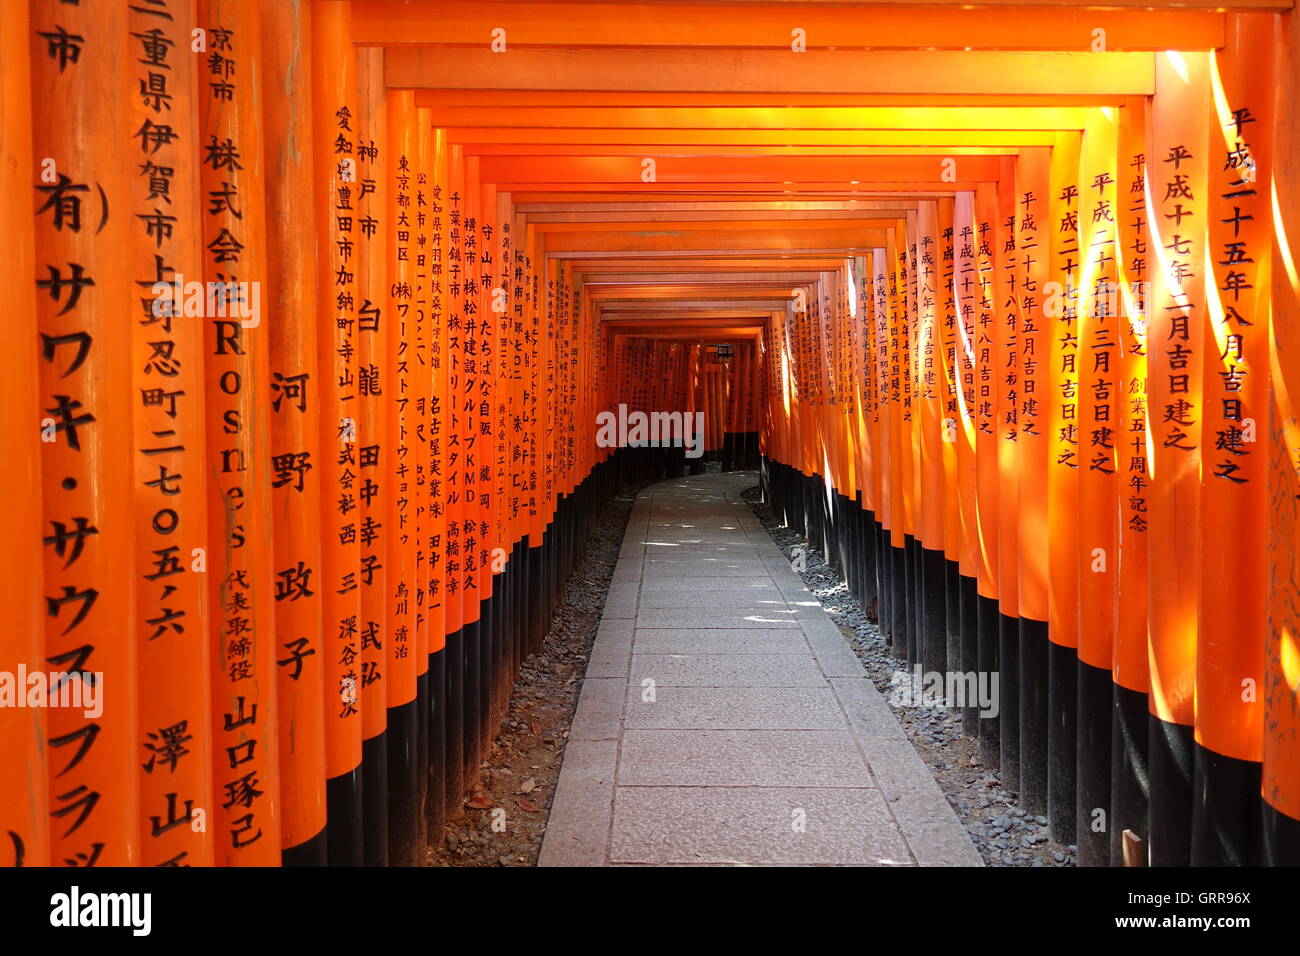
(312, 307)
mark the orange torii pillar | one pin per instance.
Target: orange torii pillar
(291, 314)
(421, 250)
(465, 393)
(173, 613)
(91, 629)
(409, 699)
(1100, 313)
(1063, 462)
(442, 170)
(1033, 232)
(1128, 762)
(24, 799)
(866, 403)
(1007, 365)
(988, 365)
(428, 366)
(1280, 786)
(967, 292)
(949, 426)
(929, 417)
(910, 438)
(333, 71)
(241, 574)
(1177, 170)
(1232, 612)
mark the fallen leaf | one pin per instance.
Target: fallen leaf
(480, 802)
(536, 728)
(527, 805)
(528, 785)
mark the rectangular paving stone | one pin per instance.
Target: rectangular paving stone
(610, 659)
(776, 615)
(732, 708)
(577, 830)
(721, 670)
(758, 584)
(623, 594)
(710, 640)
(866, 708)
(928, 822)
(599, 713)
(740, 758)
(712, 567)
(754, 826)
(705, 596)
(834, 656)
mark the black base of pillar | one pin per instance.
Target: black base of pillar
(1032, 688)
(1170, 813)
(313, 852)
(436, 778)
(404, 792)
(969, 601)
(1062, 743)
(1227, 811)
(1092, 764)
(374, 799)
(1009, 700)
(343, 812)
(987, 638)
(934, 611)
(1129, 786)
(1281, 838)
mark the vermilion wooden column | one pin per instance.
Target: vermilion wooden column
(1177, 169)
(240, 566)
(1007, 367)
(1101, 312)
(1064, 460)
(408, 503)
(1281, 765)
(26, 841)
(929, 418)
(291, 316)
(949, 428)
(1033, 253)
(1234, 495)
(83, 352)
(1128, 802)
(446, 176)
(334, 136)
(173, 612)
(429, 366)
(987, 367)
(966, 283)
(363, 228)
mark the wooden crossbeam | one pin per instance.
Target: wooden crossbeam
(742, 26)
(963, 73)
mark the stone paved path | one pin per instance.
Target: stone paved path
(724, 719)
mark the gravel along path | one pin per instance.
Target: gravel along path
(519, 773)
(1002, 832)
